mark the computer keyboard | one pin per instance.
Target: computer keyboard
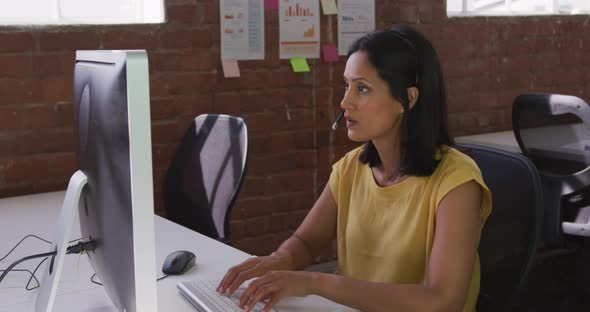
(203, 294)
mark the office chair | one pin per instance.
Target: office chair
(511, 234)
(206, 173)
(553, 130)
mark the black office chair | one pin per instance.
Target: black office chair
(511, 234)
(206, 173)
(553, 130)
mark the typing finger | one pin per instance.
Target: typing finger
(233, 272)
(242, 277)
(263, 292)
(274, 299)
(251, 289)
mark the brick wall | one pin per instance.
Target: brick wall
(487, 62)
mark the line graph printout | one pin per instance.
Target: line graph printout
(299, 28)
(355, 18)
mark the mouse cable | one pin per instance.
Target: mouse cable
(81, 246)
(15, 263)
(33, 236)
(22, 240)
(27, 287)
(99, 283)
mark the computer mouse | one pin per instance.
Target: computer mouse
(178, 262)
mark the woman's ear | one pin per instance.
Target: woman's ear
(413, 94)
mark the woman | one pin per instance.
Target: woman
(406, 208)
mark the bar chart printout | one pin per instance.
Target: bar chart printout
(299, 24)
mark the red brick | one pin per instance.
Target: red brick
(69, 40)
(208, 13)
(51, 185)
(120, 39)
(236, 230)
(227, 102)
(287, 119)
(183, 84)
(256, 226)
(188, 106)
(296, 181)
(252, 102)
(176, 2)
(27, 169)
(293, 201)
(42, 117)
(15, 189)
(62, 165)
(186, 39)
(165, 132)
(58, 88)
(162, 155)
(280, 222)
(252, 186)
(260, 245)
(251, 207)
(19, 91)
(16, 41)
(16, 66)
(44, 141)
(189, 60)
(45, 65)
(10, 119)
(182, 13)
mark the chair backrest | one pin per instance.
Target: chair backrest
(553, 130)
(206, 174)
(511, 234)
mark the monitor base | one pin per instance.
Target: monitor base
(50, 278)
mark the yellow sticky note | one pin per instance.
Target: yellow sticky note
(230, 68)
(329, 7)
(299, 64)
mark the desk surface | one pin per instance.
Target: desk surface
(503, 140)
(36, 214)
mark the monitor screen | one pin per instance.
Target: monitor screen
(112, 123)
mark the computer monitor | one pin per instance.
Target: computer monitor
(112, 191)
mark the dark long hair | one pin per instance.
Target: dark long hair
(403, 58)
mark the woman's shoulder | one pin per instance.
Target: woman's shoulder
(454, 159)
(350, 157)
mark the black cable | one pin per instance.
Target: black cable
(81, 246)
(35, 236)
(30, 279)
(33, 276)
(10, 267)
(99, 283)
(30, 235)
(78, 248)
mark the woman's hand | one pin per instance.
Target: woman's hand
(251, 268)
(275, 285)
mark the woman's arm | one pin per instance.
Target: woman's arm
(314, 234)
(450, 267)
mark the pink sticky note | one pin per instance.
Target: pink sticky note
(230, 68)
(330, 53)
(271, 4)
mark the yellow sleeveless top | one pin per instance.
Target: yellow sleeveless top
(385, 234)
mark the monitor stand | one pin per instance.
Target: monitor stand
(50, 278)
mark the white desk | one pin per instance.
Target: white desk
(36, 214)
(503, 140)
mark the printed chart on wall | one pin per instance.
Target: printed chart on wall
(355, 18)
(299, 27)
(242, 29)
